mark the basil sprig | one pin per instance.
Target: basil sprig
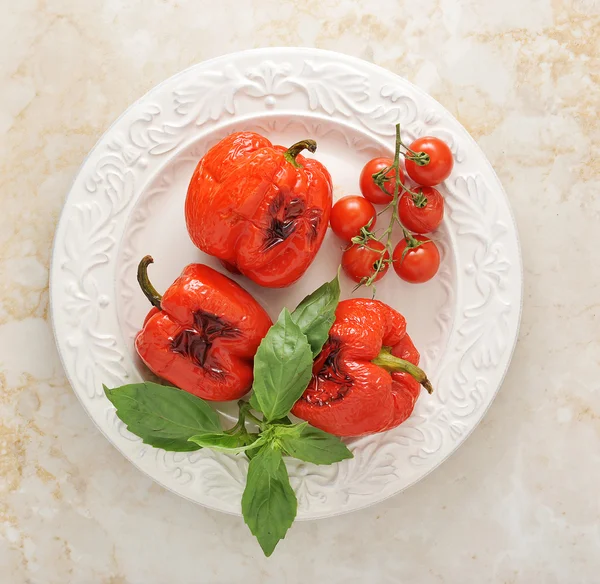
(172, 419)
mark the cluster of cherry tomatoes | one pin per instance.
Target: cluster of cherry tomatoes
(419, 210)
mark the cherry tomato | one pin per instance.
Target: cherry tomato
(351, 213)
(369, 188)
(359, 261)
(419, 264)
(423, 212)
(440, 162)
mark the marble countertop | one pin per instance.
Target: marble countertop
(518, 503)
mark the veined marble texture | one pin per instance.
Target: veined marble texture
(518, 503)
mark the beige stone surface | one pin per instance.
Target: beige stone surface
(519, 501)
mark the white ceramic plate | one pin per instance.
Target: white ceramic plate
(127, 201)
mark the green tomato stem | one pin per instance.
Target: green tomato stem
(411, 241)
(419, 199)
(388, 233)
(380, 178)
(419, 158)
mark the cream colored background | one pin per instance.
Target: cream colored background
(519, 503)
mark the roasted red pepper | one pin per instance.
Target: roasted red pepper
(203, 333)
(261, 209)
(366, 379)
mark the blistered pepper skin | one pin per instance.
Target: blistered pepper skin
(204, 336)
(250, 206)
(349, 395)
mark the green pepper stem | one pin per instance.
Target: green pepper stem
(147, 288)
(295, 149)
(393, 364)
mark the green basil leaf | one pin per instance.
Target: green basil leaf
(316, 313)
(282, 368)
(227, 442)
(163, 416)
(285, 421)
(269, 503)
(278, 430)
(254, 403)
(252, 452)
(311, 444)
(171, 444)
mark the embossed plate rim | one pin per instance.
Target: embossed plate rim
(469, 191)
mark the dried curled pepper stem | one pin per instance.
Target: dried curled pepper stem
(295, 149)
(393, 364)
(147, 288)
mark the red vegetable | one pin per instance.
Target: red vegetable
(429, 161)
(359, 261)
(423, 211)
(416, 260)
(366, 378)
(369, 187)
(203, 333)
(350, 214)
(261, 209)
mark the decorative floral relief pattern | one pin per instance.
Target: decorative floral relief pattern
(205, 99)
(484, 331)
(319, 129)
(89, 241)
(131, 251)
(331, 88)
(443, 311)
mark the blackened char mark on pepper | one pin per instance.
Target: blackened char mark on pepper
(313, 216)
(329, 371)
(285, 217)
(195, 343)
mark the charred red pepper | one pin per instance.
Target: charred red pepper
(261, 209)
(203, 333)
(366, 379)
